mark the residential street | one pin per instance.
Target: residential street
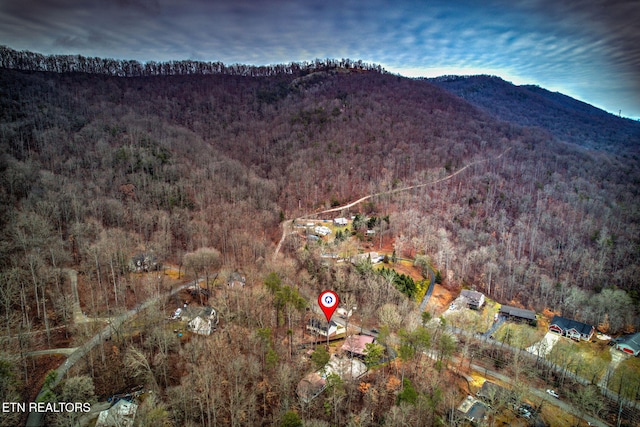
(36, 419)
(541, 394)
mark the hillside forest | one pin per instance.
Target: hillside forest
(200, 169)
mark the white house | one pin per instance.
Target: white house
(200, 326)
(201, 321)
(373, 257)
(322, 230)
(320, 327)
(341, 222)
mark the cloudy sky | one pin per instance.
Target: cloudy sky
(588, 49)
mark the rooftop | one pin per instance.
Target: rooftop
(356, 344)
(567, 324)
(472, 296)
(632, 340)
(473, 409)
(518, 312)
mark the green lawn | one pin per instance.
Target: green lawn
(474, 320)
(626, 379)
(518, 335)
(587, 359)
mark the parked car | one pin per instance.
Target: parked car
(553, 393)
(525, 410)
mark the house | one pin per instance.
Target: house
(314, 383)
(340, 222)
(492, 393)
(571, 328)
(473, 410)
(200, 326)
(144, 262)
(236, 279)
(356, 345)
(629, 344)
(343, 313)
(320, 327)
(372, 257)
(311, 386)
(474, 299)
(322, 230)
(122, 414)
(201, 321)
(518, 314)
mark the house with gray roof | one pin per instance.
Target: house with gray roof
(630, 344)
(474, 299)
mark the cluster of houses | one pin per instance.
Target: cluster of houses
(347, 364)
(563, 326)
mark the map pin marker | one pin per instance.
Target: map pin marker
(328, 302)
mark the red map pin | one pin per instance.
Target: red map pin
(328, 302)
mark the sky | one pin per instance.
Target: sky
(587, 49)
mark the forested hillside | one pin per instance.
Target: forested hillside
(566, 118)
(97, 168)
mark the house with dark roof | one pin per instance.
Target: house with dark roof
(630, 344)
(474, 299)
(518, 314)
(492, 392)
(473, 410)
(571, 328)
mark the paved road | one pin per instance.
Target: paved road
(427, 295)
(611, 395)
(542, 395)
(539, 393)
(36, 419)
(64, 351)
(495, 326)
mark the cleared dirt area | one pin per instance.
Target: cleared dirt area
(440, 299)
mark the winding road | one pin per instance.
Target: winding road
(36, 419)
(287, 224)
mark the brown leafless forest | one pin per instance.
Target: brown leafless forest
(98, 167)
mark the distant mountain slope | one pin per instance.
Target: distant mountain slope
(566, 118)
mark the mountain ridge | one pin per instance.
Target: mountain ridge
(567, 118)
